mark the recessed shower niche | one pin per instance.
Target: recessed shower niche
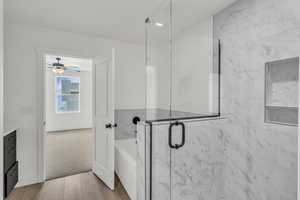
(281, 91)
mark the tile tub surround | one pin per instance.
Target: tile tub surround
(261, 158)
(126, 129)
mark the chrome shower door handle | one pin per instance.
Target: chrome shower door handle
(177, 146)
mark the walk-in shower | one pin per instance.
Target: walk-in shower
(183, 97)
(204, 134)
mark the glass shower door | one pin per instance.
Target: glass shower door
(158, 64)
(184, 144)
(197, 156)
(196, 168)
(158, 88)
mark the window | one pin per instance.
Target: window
(67, 94)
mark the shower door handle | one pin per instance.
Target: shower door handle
(177, 146)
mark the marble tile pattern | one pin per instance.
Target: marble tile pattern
(282, 115)
(283, 94)
(141, 162)
(160, 162)
(261, 159)
(282, 80)
(197, 168)
(193, 172)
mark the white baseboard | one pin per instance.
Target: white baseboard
(58, 130)
(26, 182)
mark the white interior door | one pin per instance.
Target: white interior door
(104, 106)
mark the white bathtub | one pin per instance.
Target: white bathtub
(125, 165)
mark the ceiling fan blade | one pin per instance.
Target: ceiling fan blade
(72, 68)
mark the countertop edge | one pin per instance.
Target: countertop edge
(7, 131)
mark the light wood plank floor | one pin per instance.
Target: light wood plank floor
(85, 186)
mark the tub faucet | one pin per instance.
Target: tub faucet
(135, 120)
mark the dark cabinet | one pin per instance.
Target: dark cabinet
(10, 153)
(11, 178)
(10, 162)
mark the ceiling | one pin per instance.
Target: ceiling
(116, 19)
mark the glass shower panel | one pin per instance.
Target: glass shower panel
(158, 64)
(153, 162)
(194, 76)
(192, 171)
(161, 160)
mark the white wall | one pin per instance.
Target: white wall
(21, 80)
(1, 98)
(68, 121)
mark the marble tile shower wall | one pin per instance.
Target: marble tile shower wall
(261, 159)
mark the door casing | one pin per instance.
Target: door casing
(41, 111)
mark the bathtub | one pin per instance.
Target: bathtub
(125, 165)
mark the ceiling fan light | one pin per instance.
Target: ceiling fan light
(58, 70)
(58, 67)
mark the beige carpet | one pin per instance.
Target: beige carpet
(68, 152)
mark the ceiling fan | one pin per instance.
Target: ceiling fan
(60, 68)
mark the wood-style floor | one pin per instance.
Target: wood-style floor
(85, 186)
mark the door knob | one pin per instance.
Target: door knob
(109, 125)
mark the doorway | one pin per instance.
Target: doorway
(68, 116)
(102, 121)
